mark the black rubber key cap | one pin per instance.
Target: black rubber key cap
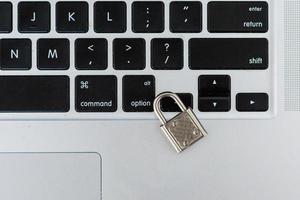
(169, 105)
(15, 54)
(129, 54)
(34, 94)
(138, 93)
(110, 17)
(53, 54)
(72, 17)
(5, 17)
(228, 53)
(214, 93)
(252, 102)
(167, 53)
(234, 16)
(214, 85)
(214, 104)
(148, 17)
(91, 54)
(96, 93)
(186, 17)
(34, 17)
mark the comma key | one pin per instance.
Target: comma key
(138, 93)
(96, 93)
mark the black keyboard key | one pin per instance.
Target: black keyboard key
(214, 93)
(148, 17)
(169, 105)
(167, 53)
(53, 54)
(252, 102)
(186, 17)
(228, 53)
(110, 17)
(34, 93)
(214, 85)
(138, 93)
(91, 54)
(214, 104)
(234, 16)
(15, 54)
(72, 17)
(129, 54)
(96, 93)
(34, 17)
(5, 17)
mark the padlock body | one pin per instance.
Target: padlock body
(183, 130)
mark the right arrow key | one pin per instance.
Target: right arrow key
(252, 102)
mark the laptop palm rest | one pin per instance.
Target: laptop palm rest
(49, 176)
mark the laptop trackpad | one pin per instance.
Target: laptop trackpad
(49, 176)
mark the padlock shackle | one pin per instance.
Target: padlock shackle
(157, 107)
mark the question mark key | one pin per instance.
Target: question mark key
(167, 53)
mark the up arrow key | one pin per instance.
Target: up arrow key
(215, 104)
(215, 82)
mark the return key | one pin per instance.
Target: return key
(237, 17)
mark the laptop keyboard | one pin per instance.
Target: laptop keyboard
(109, 59)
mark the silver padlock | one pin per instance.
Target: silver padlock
(184, 129)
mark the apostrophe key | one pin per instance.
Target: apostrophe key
(186, 17)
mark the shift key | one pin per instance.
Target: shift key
(228, 53)
(238, 17)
